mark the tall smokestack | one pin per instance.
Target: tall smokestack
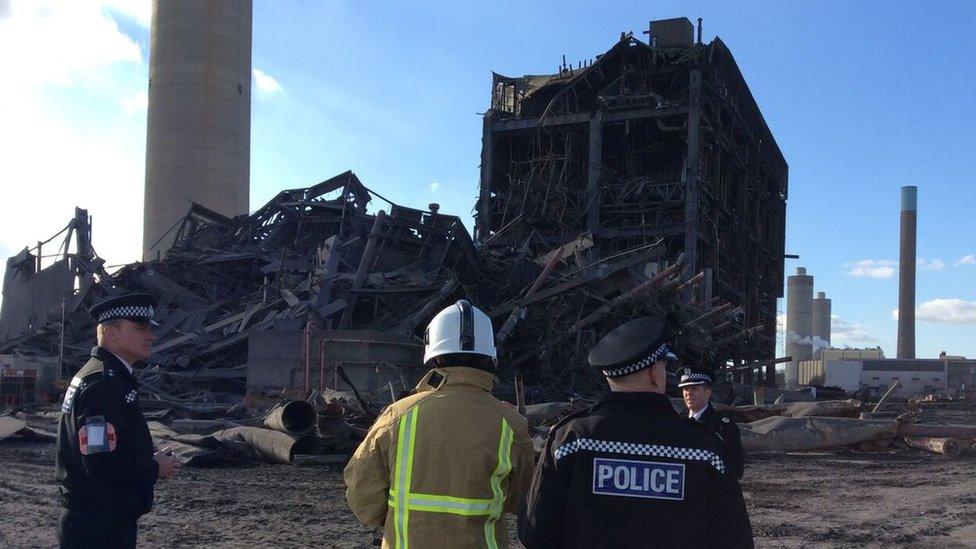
(906, 272)
(799, 322)
(821, 319)
(198, 139)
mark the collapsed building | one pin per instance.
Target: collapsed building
(262, 301)
(644, 180)
(654, 149)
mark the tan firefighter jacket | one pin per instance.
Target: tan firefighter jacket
(442, 466)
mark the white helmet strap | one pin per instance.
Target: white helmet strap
(466, 327)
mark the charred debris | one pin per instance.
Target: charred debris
(644, 179)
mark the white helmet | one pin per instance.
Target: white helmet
(459, 329)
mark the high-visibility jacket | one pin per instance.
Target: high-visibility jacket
(442, 466)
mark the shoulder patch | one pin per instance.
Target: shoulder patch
(97, 436)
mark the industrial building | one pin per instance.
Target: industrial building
(648, 142)
(856, 369)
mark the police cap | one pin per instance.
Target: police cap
(137, 307)
(632, 347)
(695, 375)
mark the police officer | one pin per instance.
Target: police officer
(629, 471)
(696, 390)
(441, 467)
(105, 461)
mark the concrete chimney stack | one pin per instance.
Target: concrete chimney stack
(906, 272)
(799, 322)
(821, 317)
(821, 320)
(198, 138)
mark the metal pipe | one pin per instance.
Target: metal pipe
(964, 432)
(713, 312)
(692, 281)
(295, 418)
(518, 311)
(369, 254)
(267, 444)
(894, 385)
(322, 365)
(520, 394)
(948, 447)
(739, 335)
(625, 297)
(308, 358)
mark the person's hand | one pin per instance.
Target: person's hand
(169, 464)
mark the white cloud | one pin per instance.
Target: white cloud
(930, 264)
(966, 260)
(68, 72)
(850, 333)
(947, 311)
(59, 43)
(434, 186)
(872, 268)
(139, 11)
(136, 103)
(265, 82)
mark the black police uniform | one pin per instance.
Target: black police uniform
(104, 460)
(720, 424)
(631, 472)
(726, 429)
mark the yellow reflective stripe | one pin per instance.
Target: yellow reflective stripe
(403, 466)
(402, 500)
(449, 504)
(409, 483)
(436, 503)
(501, 471)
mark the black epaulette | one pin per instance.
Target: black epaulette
(81, 381)
(573, 415)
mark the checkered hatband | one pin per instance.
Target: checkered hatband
(661, 352)
(128, 311)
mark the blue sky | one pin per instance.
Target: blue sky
(861, 98)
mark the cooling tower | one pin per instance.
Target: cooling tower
(821, 318)
(799, 321)
(906, 273)
(199, 128)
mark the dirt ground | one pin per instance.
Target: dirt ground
(842, 499)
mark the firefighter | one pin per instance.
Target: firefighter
(696, 390)
(440, 468)
(105, 463)
(629, 471)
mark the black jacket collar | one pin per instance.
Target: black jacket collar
(109, 360)
(655, 401)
